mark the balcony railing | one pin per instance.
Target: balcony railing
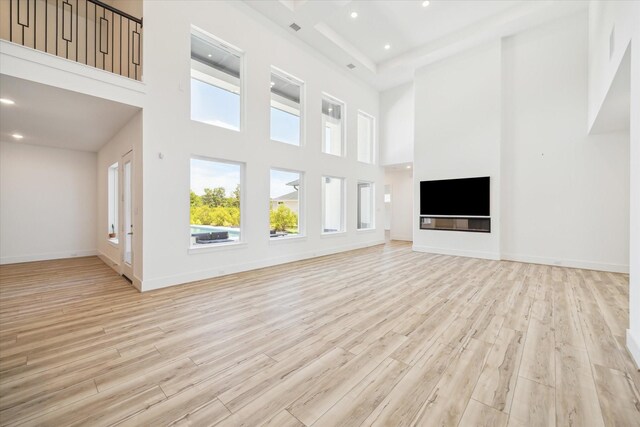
(87, 31)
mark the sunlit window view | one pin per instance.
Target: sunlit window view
(215, 83)
(285, 203)
(215, 202)
(332, 204)
(112, 226)
(332, 126)
(285, 109)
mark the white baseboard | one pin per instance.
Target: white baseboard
(110, 262)
(401, 237)
(163, 282)
(456, 252)
(47, 256)
(633, 345)
(572, 263)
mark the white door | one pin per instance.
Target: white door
(127, 215)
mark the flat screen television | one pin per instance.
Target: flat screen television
(455, 197)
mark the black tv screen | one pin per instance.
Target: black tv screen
(455, 197)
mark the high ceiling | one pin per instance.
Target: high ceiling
(416, 35)
(50, 116)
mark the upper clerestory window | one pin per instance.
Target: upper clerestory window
(216, 76)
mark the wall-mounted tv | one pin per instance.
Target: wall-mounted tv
(463, 197)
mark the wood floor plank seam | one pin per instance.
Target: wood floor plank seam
(376, 336)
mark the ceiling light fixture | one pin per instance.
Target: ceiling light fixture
(209, 55)
(408, 166)
(330, 109)
(273, 84)
(7, 101)
(387, 46)
(354, 15)
(426, 3)
(17, 136)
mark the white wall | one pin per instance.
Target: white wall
(625, 17)
(401, 212)
(565, 193)
(516, 111)
(457, 135)
(397, 125)
(129, 138)
(47, 203)
(168, 129)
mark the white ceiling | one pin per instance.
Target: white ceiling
(55, 117)
(418, 35)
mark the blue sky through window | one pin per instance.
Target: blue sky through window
(279, 180)
(285, 127)
(212, 174)
(213, 105)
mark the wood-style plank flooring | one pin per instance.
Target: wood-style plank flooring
(381, 336)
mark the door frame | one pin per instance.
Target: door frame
(127, 268)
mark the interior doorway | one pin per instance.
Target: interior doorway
(398, 202)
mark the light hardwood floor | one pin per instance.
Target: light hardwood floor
(381, 336)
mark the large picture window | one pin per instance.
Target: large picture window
(286, 112)
(285, 203)
(366, 147)
(113, 206)
(215, 201)
(332, 204)
(215, 82)
(332, 126)
(365, 206)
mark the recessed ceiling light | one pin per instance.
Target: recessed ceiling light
(7, 101)
(354, 15)
(387, 46)
(209, 55)
(17, 136)
(426, 3)
(330, 109)
(408, 166)
(273, 84)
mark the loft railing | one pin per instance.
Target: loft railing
(87, 31)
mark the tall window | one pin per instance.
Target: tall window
(365, 206)
(215, 201)
(332, 126)
(215, 82)
(332, 204)
(285, 199)
(285, 108)
(112, 225)
(365, 138)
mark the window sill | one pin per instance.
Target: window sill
(213, 247)
(286, 143)
(113, 242)
(366, 230)
(340, 156)
(278, 240)
(333, 234)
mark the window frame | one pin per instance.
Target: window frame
(343, 125)
(343, 206)
(302, 110)
(302, 226)
(208, 79)
(372, 205)
(373, 145)
(241, 240)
